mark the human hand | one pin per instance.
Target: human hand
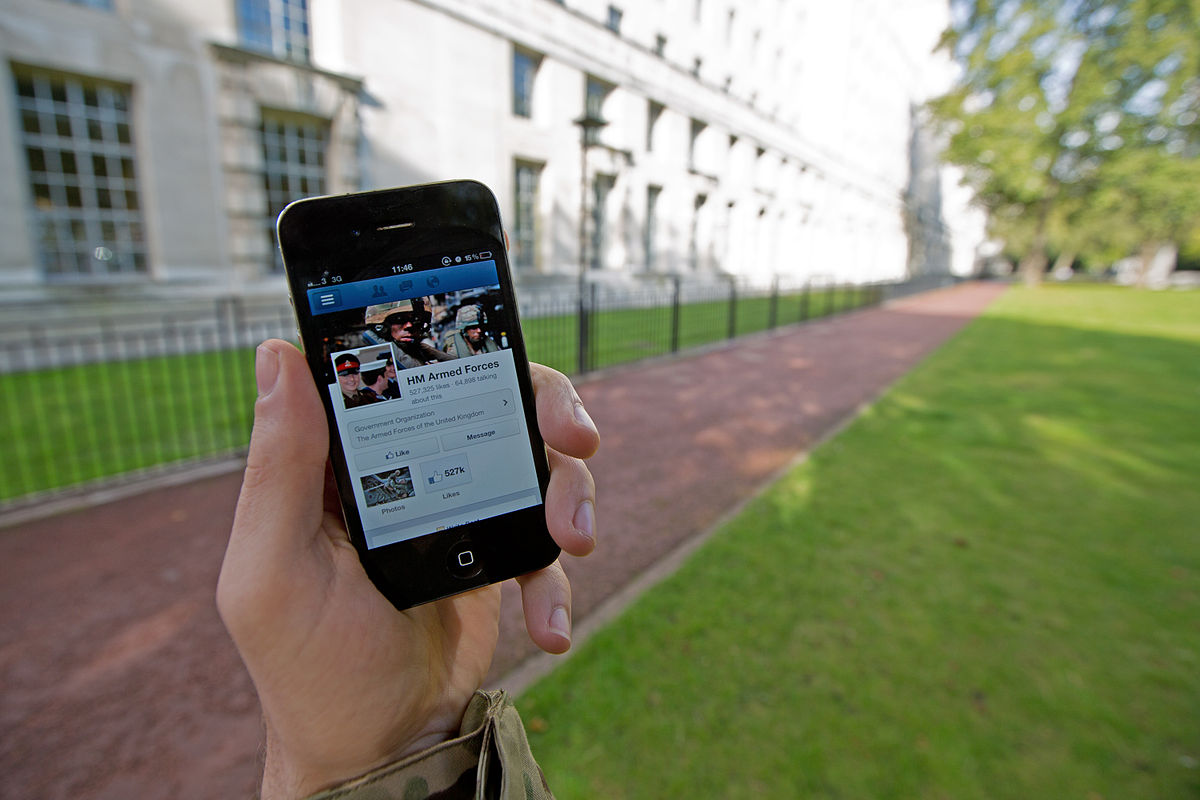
(348, 683)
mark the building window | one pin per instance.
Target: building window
(614, 19)
(653, 113)
(525, 67)
(660, 45)
(293, 163)
(693, 139)
(526, 180)
(602, 187)
(277, 27)
(595, 93)
(694, 239)
(78, 141)
(652, 195)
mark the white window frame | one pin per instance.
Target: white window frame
(295, 163)
(527, 179)
(77, 135)
(524, 82)
(278, 27)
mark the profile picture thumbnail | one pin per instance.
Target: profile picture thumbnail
(387, 487)
(367, 375)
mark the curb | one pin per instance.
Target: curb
(63, 504)
(539, 665)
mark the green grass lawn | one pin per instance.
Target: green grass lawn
(68, 426)
(64, 427)
(987, 587)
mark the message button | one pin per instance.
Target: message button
(467, 438)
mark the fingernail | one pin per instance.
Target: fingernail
(582, 416)
(266, 369)
(560, 622)
(585, 519)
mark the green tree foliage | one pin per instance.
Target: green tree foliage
(1076, 122)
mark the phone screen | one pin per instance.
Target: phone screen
(426, 398)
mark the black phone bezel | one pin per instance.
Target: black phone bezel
(416, 222)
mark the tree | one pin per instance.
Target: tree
(1152, 166)
(1076, 120)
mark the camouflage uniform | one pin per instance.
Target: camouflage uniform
(469, 317)
(428, 355)
(458, 346)
(490, 760)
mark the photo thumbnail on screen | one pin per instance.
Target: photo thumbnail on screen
(367, 375)
(387, 487)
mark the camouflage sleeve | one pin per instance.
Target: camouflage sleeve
(489, 759)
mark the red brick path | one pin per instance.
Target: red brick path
(119, 681)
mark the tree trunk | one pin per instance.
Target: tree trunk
(1033, 265)
(1158, 262)
(1063, 262)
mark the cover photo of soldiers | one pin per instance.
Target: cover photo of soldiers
(369, 346)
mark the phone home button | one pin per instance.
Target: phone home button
(462, 560)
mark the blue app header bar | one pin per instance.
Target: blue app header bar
(391, 288)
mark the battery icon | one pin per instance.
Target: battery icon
(486, 254)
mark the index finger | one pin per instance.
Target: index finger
(562, 419)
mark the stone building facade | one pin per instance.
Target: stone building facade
(146, 145)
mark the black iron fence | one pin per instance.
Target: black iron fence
(89, 403)
(615, 326)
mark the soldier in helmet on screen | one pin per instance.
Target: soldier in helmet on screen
(469, 338)
(407, 326)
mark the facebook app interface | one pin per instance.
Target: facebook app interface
(426, 399)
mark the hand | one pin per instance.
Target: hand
(346, 682)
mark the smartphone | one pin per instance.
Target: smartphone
(406, 314)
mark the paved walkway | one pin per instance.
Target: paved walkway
(119, 681)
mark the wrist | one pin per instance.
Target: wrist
(280, 779)
(490, 745)
(287, 777)
(291, 775)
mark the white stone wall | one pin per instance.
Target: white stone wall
(803, 161)
(162, 57)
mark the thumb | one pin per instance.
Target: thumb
(283, 486)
